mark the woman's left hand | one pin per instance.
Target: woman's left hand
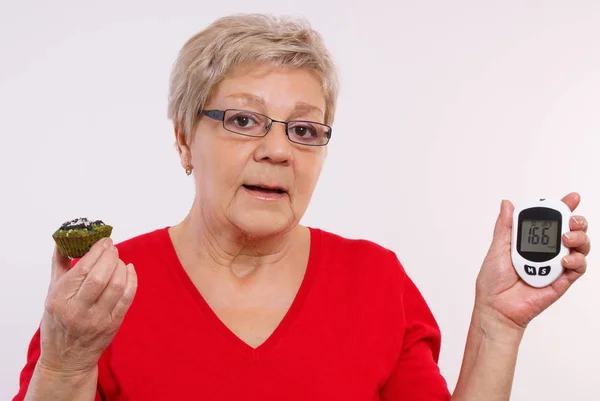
(502, 296)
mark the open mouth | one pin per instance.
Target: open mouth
(265, 190)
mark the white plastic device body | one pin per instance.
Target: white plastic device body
(537, 247)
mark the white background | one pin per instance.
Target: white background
(445, 109)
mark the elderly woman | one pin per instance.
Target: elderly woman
(241, 302)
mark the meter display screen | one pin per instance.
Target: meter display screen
(539, 236)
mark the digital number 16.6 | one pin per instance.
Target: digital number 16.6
(534, 238)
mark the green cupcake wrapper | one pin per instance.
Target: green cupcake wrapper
(77, 243)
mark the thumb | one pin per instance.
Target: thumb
(503, 228)
(60, 265)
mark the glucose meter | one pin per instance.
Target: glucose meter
(537, 248)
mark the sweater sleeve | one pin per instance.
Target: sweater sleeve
(416, 376)
(33, 354)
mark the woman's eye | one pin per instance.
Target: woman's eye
(304, 131)
(244, 121)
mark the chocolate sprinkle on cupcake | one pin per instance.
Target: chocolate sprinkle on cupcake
(75, 237)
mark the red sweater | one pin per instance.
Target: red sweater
(358, 330)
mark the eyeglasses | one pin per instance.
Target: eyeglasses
(253, 124)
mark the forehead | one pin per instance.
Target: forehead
(276, 88)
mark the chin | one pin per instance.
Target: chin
(264, 223)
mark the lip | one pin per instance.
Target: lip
(267, 186)
(265, 195)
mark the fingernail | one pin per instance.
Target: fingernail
(567, 236)
(567, 260)
(107, 243)
(577, 221)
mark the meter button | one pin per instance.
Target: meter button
(531, 270)
(544, 271)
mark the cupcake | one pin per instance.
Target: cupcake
(75, 238)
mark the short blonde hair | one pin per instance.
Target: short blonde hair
(208, 56)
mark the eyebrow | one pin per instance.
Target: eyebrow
(250, 99)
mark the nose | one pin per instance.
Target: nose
(275, 147)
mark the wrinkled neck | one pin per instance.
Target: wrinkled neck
(221, 245)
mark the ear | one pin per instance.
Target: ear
(183, 148)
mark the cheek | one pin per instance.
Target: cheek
(307, 175)
(220, 167)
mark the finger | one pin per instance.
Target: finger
(114, 289)
(572, 200)
(98, 277)
(578, 241)
(85, 264)
(564, 282)
(72, 277)
(123, 304)
(578, 223)
(60, 265)
(575, 262)
(502, 229)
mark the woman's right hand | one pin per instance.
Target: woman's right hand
(84, 308)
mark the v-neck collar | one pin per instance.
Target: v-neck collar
(288, 319)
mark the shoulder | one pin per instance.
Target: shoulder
(360, 255)
(143, 239)
(149, 244)
(349, 244)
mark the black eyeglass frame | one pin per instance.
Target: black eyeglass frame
(219, 115)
